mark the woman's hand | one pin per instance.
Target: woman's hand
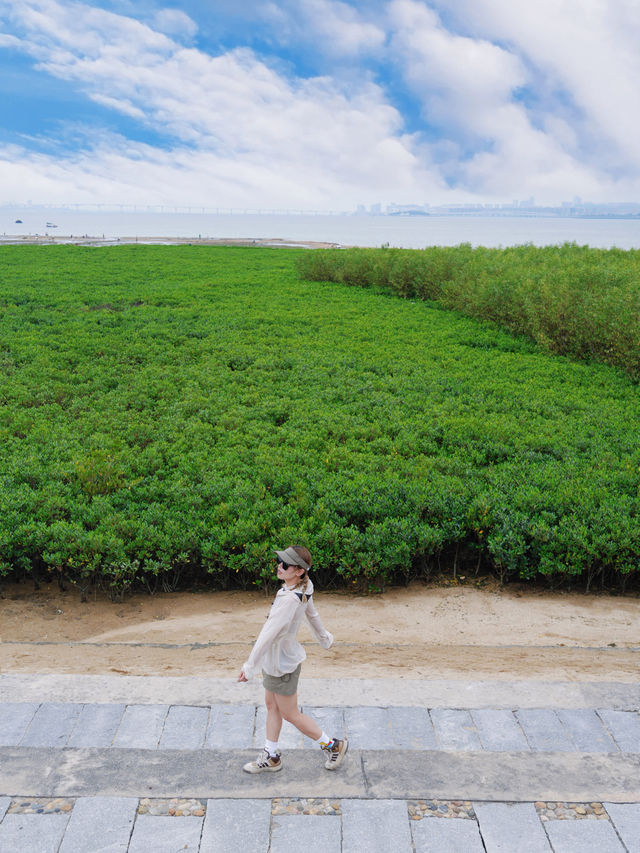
(242, 677)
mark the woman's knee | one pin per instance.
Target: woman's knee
(270, 701)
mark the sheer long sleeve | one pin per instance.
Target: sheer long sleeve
(320, 634)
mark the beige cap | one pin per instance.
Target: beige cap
(292, 558)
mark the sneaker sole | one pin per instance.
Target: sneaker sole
(248, 769)
(335, 764)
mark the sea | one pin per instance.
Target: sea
(413, 232)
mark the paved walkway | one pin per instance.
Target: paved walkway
(127, 765)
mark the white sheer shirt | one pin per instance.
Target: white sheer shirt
(277, 650)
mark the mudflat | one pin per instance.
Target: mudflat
(423, 631)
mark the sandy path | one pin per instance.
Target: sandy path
(420, 632)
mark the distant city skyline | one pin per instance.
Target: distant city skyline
(318, 104)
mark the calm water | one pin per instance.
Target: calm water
(408, 232)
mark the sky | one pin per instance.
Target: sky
(318, 104)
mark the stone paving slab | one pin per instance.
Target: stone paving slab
(51, 725)
(231, 826)
(586, 730)
(376, 826)
(244, 727)
(352, 692)
(434, 835)
(100, 825)
(32, 833)
(499, 730)
(624, 727)
(455, 729)
(141, 726)
(166, 834)
(368, 728)
(544, 731)
(96, 726)
(113, 825)
(411, 728)
(626, 818)
(311, 833)
(366, 773)
(184, 727)
(569, 836)
(231, 726)
(511, 828)
(15, 719)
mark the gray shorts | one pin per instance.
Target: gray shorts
(284, 685)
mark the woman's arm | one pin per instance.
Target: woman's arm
(320, 634)
(282, 612)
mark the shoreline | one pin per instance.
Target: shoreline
(87, 240)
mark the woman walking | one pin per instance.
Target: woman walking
(279, 655)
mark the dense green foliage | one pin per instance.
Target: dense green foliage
(571, 300)
(172, 414)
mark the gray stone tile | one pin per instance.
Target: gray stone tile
(231, 727)
(544, 731)
(100, 825)
(141, 727)
(377, 826)
(368, 728)
(308, 833)
(5, 802)
(52, 724)
(15, 718)
(32, 833)
(411, 728)
(511, 828)
(290, 737)
(97, 725)
(163, 834)
(585, 836)
(455, 729)
(184, 728)
(330, 720)
(236, 825)
(624, 727)
(626, 820)
(446, 835)
(586, 730)
(499, 730)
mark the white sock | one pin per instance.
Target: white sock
(271, 746)
(324, 739)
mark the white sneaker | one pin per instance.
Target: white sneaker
(336, 753)
(264, 762)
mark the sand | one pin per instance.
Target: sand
(433, 631)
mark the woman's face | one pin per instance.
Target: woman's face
(289, 575)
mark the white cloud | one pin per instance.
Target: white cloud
(329, 27)
(517, 100)
(587, 53)
(174, 22)
(246, 135)
(470, 88)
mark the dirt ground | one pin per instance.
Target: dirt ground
(421, 632)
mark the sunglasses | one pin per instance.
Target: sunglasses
(285, 566)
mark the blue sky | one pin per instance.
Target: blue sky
(318, 104)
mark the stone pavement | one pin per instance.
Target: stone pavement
(91, 764)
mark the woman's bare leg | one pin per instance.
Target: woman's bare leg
(274, 717)
(289, 711)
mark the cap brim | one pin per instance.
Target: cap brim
(292, 559)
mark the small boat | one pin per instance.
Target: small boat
(18, 221)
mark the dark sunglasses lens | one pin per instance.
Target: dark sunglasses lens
(286, 566)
